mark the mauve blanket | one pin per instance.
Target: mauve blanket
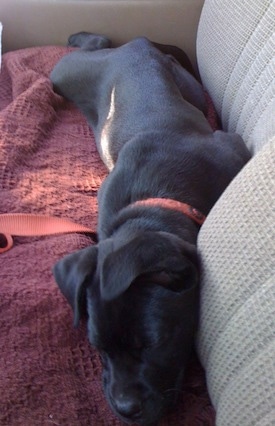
(49, 375)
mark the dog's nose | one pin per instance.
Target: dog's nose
(128, 406)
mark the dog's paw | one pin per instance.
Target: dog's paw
(88, 41)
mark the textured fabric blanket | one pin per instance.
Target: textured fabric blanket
(49, 374)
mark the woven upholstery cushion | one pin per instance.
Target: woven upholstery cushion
(235, 49)
(236, 340)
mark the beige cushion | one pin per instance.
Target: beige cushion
(236, 339)
(236, 342)
(236, 58)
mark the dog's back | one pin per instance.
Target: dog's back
(134, 84)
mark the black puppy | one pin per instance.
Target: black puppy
(139, 284)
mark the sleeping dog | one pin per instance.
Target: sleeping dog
(139, 284)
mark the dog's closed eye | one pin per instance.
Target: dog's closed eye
(173, 281)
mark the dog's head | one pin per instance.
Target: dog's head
(141, 297)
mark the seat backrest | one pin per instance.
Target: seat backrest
(236, 58)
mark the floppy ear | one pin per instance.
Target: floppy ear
(164, 255)
(72, 273)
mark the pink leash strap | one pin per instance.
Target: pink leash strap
(29, 225)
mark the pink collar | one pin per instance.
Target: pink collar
(168, 203)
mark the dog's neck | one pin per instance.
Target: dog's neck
(169, 203)
(133, 218)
